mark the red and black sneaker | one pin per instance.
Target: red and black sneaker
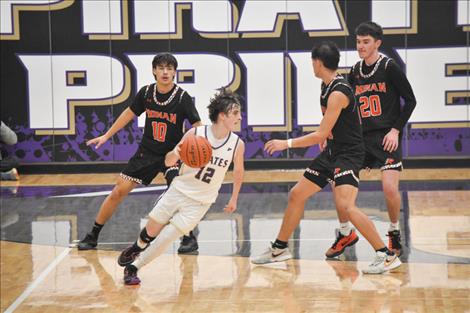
(341, 243)
(394, 242)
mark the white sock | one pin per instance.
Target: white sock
(168, 234)
(345, 228)
(394, 226)
(141, 244)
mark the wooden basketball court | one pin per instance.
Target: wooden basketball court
(43, 215)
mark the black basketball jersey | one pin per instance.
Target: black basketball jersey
(347, 129)
(376, 96)
(164, 116)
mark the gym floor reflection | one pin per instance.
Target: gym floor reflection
(42, 272)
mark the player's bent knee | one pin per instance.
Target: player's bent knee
(390, 190)
(296, 195)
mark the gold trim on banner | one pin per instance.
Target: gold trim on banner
(343, 32)
(233, 34)
(310, 128)
(72, 75)
(179, 26)
(451, 68)
(125, 26)
(414, 23)
(450, 95)
(183, 74)
(124, 95)
(39, 7)
(441, 125)
(294, 16)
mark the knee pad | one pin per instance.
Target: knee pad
(144, 236)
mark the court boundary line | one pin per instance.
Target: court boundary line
(37, 281)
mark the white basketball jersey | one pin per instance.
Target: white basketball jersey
(203, 184)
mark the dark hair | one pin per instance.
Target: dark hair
(223, 102)
(164, 59)
(328, 53)
(370, 28)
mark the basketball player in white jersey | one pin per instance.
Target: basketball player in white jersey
(191, 193)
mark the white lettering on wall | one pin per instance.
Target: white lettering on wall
(53, 93)
(430, 91)
(104, 18)
(164, 17)
(463, 13)
(10, 14)
(265, 93)
(266, 17)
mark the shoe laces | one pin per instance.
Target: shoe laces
(379, 258)
(186, 240)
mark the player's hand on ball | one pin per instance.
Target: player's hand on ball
(275, 145)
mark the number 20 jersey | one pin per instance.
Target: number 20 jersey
(377, 97)
(203, 184)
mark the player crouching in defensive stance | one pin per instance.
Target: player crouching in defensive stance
(339, 163)
(191, 194)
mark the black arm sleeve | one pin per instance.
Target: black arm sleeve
(137, 106)
(398, 79)
(190, 109)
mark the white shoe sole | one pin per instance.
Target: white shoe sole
(395, 264)
(280, 258)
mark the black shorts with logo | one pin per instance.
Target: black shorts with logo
(376, 157)
(145, 165)
(340, 165)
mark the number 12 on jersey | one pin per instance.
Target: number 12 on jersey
(370, 106)
(209, 172)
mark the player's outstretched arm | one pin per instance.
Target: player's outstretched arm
(238, 172)
(336, 102)
(126, 116)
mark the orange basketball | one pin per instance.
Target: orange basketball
(196, 151)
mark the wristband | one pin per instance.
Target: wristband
(289, 143)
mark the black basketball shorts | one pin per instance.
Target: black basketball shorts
(341, 167)
(145, 165)
(376, 157)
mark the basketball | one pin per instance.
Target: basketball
(196, 151)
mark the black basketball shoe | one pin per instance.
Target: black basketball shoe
(129, 254)
(130, 275)
(89, 242)
(188, 244)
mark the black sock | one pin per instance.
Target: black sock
(385, 250)
(279, 244)
(96, 229)
(131, 268)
